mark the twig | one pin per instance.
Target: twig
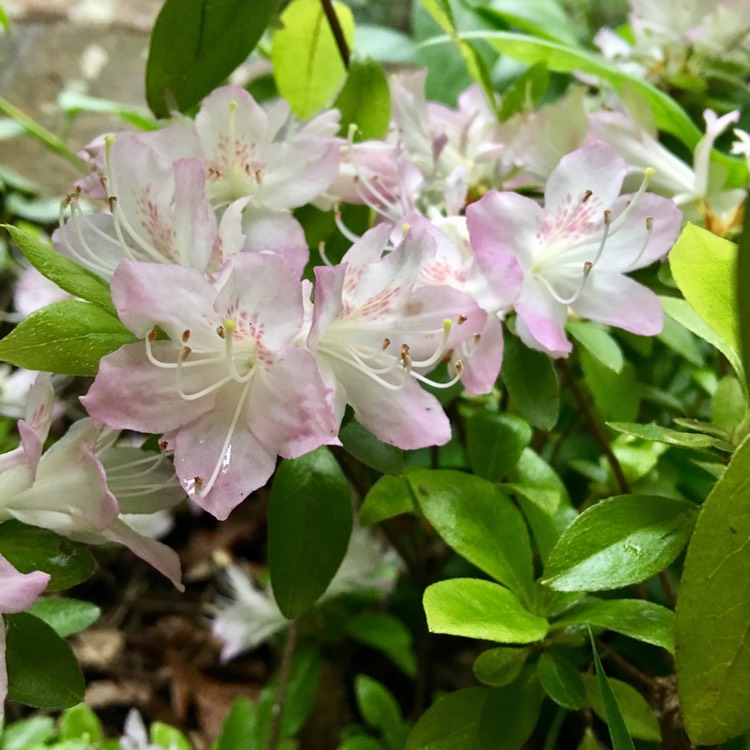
(285, 669)
(666, 584)
(595, 427)
(337, 31)
(623, 664)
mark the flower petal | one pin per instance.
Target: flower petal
(18, 591)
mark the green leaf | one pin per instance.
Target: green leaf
(21, 735)
(42, 670)
(238, 727)
(668, 115)
(638, 717)
(713, 654)
(561, 680)
(196, 44)
(364, 101)
(309, 525)
(524, 92)
(619, 541)
(603, 701)
(380, 710)
(636, 618)
(539, 18)
(598, 342)
(65, 616)
(451, 722)
(728, 405)
(659, 434)
(80, 722)
(705, 269)
(510, 713)
(363, 445)
(500, 666)
(474, 608)
(742, 276)
(387, 634)
(4, 22)
(495, 443)
(307, 65)
(390, 496)
(532, 384)
(66, 273)
(478, 521)
(29, 548)
(73, 103)
(616, 394)
(68, 337)
(168, 737)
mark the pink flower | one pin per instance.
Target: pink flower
(576, 250)
(375, 333)
(18, 591)
(229, 387)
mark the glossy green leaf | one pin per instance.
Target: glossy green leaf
(42, 670)
(478, 521)
(451, 722)
(500, 666)
(660, 434)
(728, 405)
(511, 712)
(540, 18)
(636, 618)
(390, 496)
(742, 277)
(532, 384)
(80, 722)
(21, 735)
(67, 274)
(307, 65)
(705, 269)
(68, 337)
(616, 394)
(713, 641)
(363, 445)
(639, 718)
(238, 727)
(600, 692)
(619, 541)
(196, 44)
(381, 711)
(681, 340)
(29, 548)
(598, 342)
(364, 101)
(309, 525)
(387, 634)
(474, 608)
(561, 680)
(495, 443)
(65, 616)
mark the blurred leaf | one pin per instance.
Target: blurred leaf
(307, 65)
(728, 405)
(196, 44)
(42, 671)
(364, 101)
(532, 384)
(309, 525)
(598, 342)
(67, 337)
(561, 680)
(525, 92)
(478, 521)
(622, 707)
(495, 443)
(390, 496)
(363, 445)
(21, 735)
(660, 434)
(65, 616)
(238, 727)
(742, 276)
(29, 548)
(384, 44)
(80, 722)
(713, 654)
(500, 666)
(636, 618)
(168, 737)
(616, 394)
(451, 722)
(474, 608)
(387, 634)
(619, 541)
(381, 711)
(73, 103)
(539, 18)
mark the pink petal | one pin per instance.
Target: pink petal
(277, 232)
(482, 363)
(541, 320)
(18, 591)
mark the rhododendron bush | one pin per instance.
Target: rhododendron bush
(471, 334)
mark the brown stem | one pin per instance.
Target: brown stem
(285, 669)
(337, 31)
(595, 427)
(666, 584)
(627, 667)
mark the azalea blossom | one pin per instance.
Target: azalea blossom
(576, 250)
(225, 386)
(18, 591)
(376, 333)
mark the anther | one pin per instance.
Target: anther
(152, 334)
(477, 338)
(386, 343)
(461, 319)
(220, 331)
(164, 445)
(607, 217)
(185, 335)
(112, 200)
(198, 482)
(186, 352)
(649, 223)
(586, 196)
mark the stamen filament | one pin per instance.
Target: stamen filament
(573, 297)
